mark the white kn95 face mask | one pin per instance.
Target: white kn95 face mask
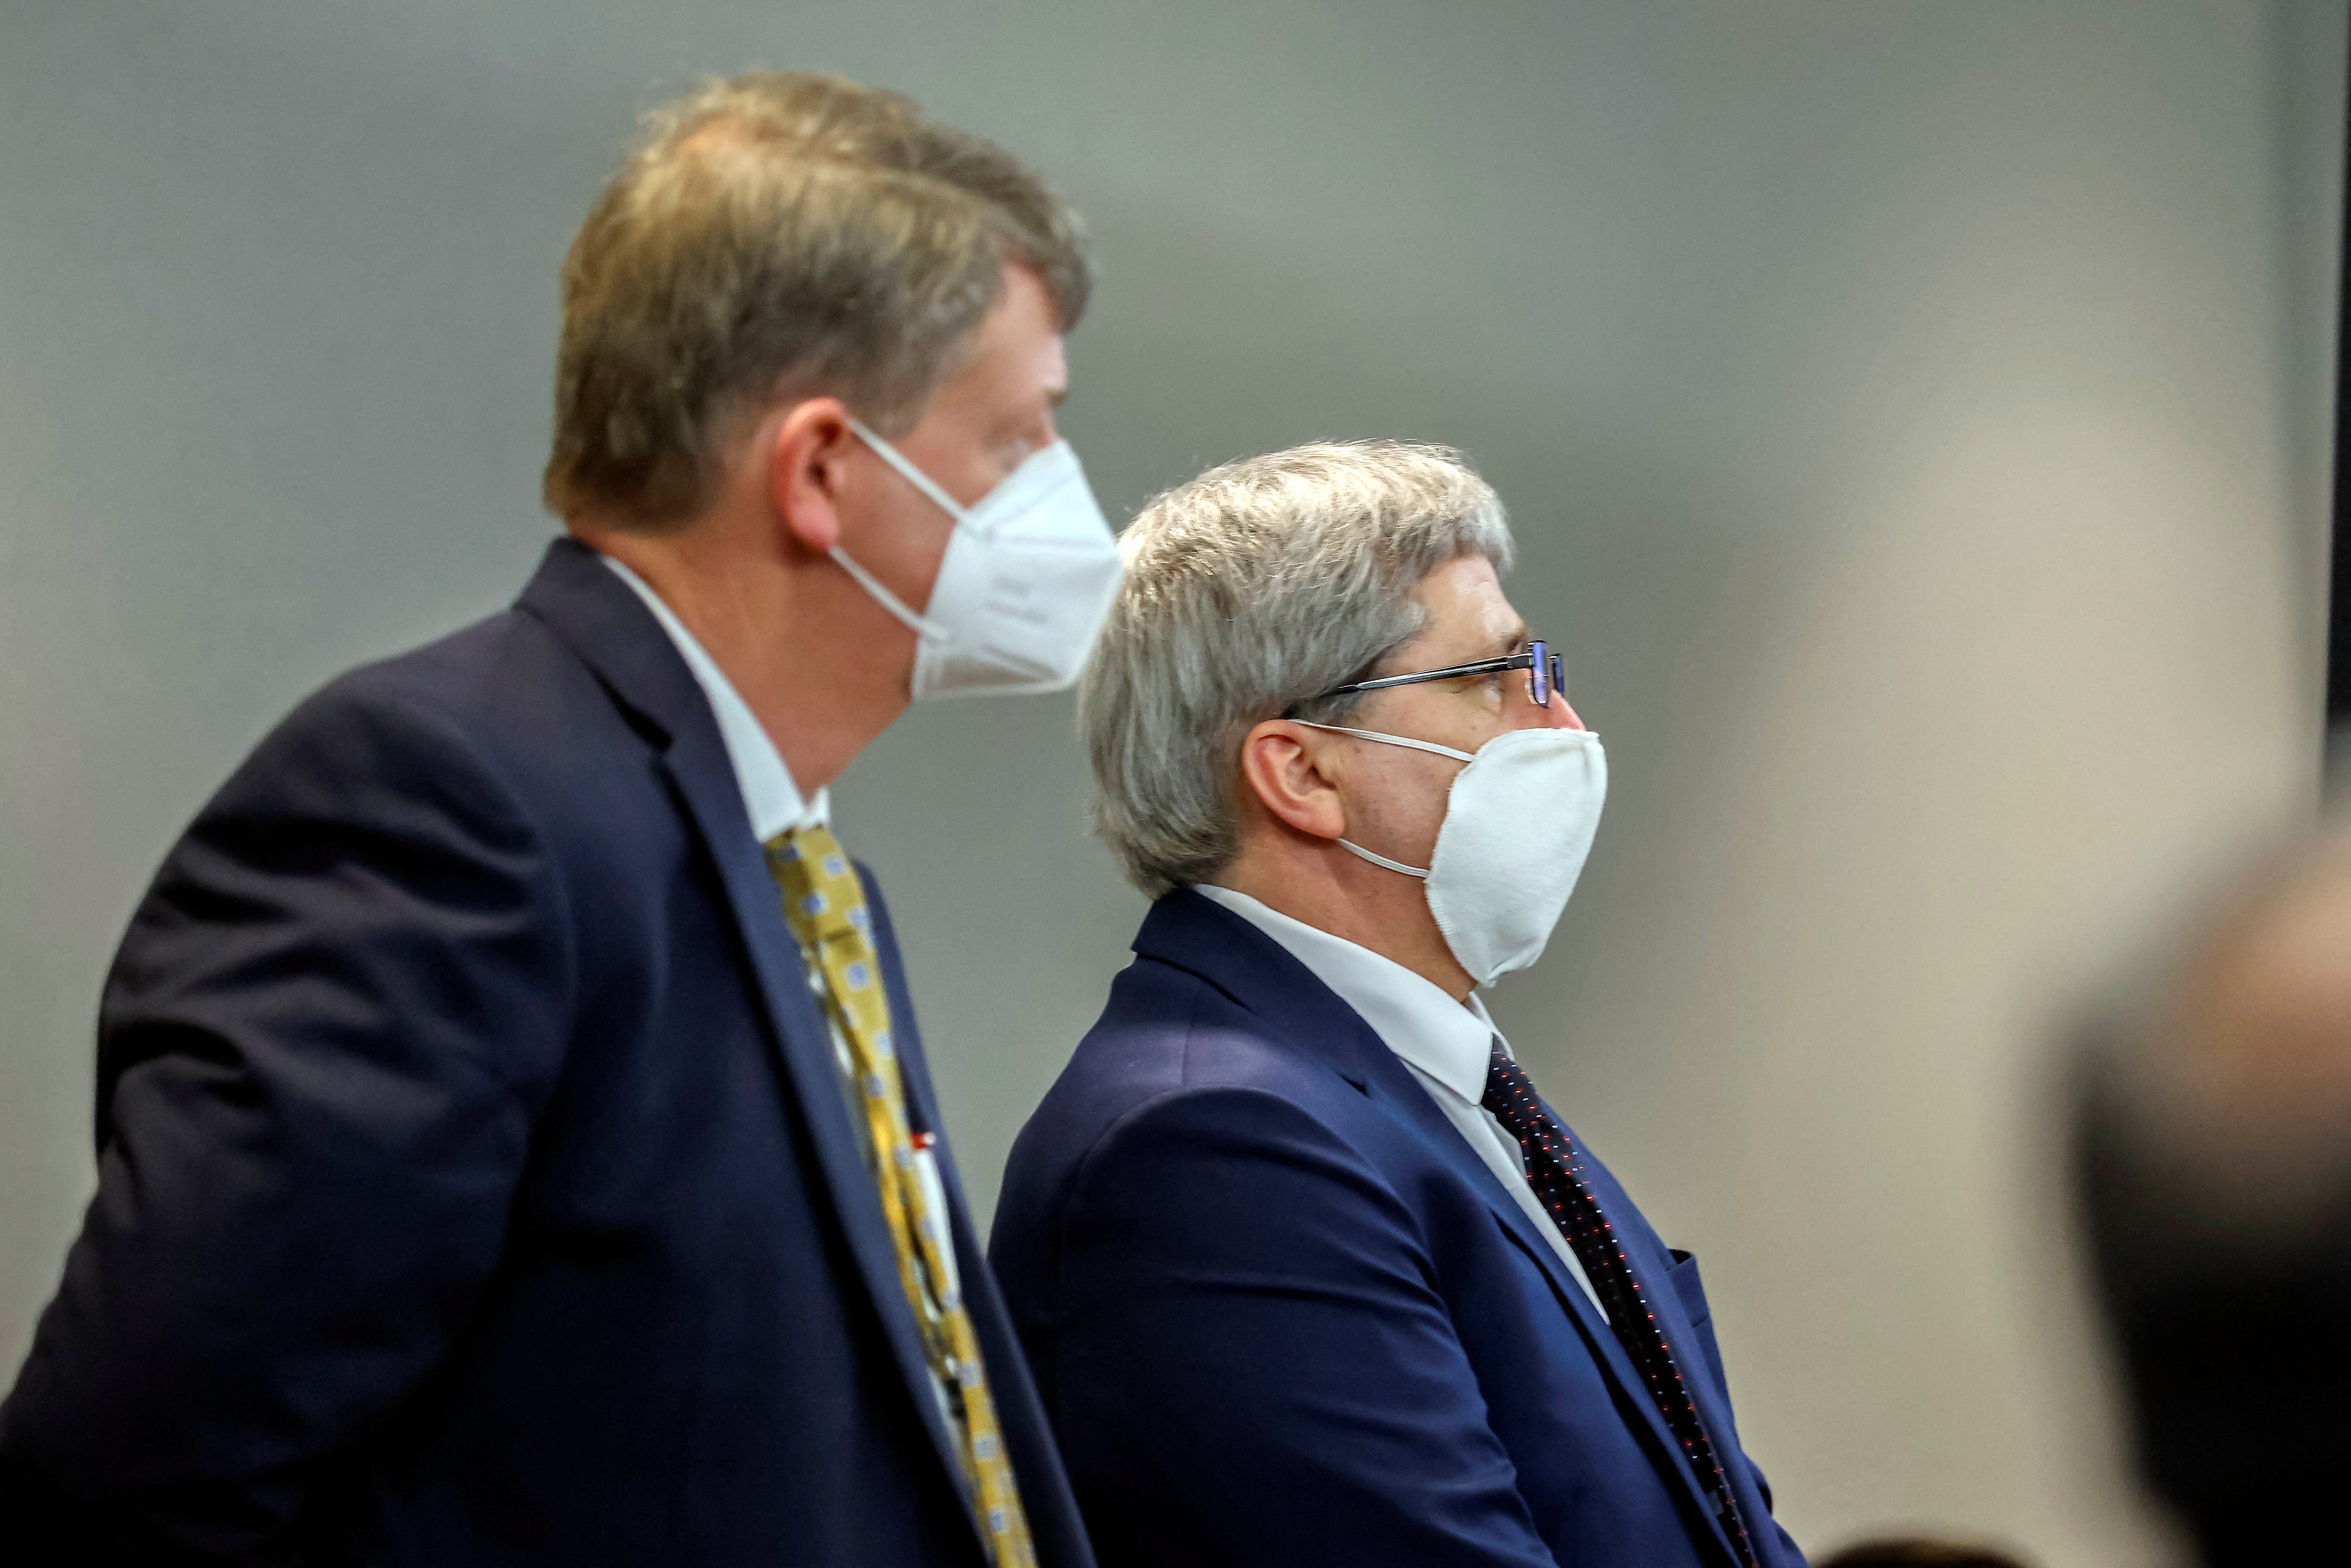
(1025, 583)
(1518, 825)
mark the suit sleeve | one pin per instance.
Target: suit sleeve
(1254, 1367)
(321, 1050)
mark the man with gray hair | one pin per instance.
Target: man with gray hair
(514, 1145)
(1306, 1270)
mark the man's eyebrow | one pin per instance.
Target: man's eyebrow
(1014, 425)
(1514, 642)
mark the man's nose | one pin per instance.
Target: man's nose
(1555, 715)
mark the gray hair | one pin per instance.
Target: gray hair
(1253, 589)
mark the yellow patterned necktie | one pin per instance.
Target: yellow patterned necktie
(824, 904)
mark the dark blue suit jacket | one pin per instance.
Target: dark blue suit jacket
(475, 1182)
(1282, 1313)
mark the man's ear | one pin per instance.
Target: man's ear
(1293, 771)
(806, 450)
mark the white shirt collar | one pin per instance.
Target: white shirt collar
(1450, 1041)
(770, 798)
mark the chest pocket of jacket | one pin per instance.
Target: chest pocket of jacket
(1692, 1294)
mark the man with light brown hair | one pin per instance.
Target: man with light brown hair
(515, 1145)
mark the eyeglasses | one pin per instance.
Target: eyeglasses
(1544, 677)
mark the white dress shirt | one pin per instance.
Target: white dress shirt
(770, 798)
(1445, 1043)
(775, 805)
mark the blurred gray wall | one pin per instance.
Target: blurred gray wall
(1915, 414)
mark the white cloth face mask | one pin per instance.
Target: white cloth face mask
(1025, 583)
(1518, 824)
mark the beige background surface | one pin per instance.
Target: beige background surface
(1915, 414)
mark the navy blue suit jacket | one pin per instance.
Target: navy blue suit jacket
(1282, 1313)
(475, 1181)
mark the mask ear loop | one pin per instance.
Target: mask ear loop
(1381, 860)
(921, 625)
(1390, 739)
(913, 476)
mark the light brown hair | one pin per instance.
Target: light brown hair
(772, 234)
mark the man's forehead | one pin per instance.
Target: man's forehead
(1468, 609)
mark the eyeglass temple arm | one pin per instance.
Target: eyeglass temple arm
(1482, 667)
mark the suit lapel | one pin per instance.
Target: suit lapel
(1412, 1104)
(1262, 976)
(1713, 1409)
(604, 623)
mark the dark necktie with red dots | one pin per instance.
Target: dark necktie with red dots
(1556, 1171)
